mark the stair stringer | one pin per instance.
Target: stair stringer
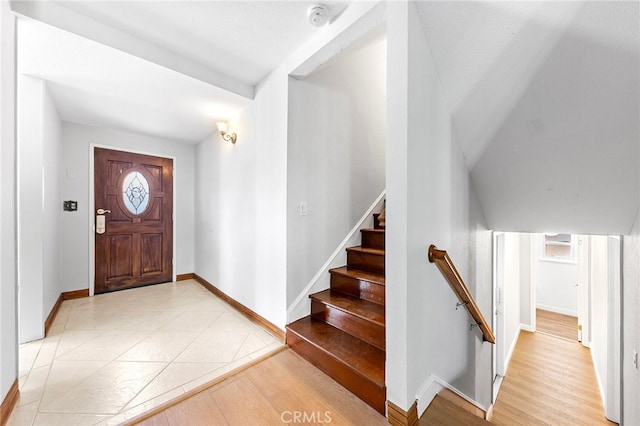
(433, 386)
(301, 306)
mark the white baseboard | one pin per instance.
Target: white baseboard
(527, 327)
(557, 310)
(431, 387)
(512, 348)
(595, 368)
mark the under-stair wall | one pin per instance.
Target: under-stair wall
(320, 281)
(335, 157)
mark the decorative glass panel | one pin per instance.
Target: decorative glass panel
(135, 192)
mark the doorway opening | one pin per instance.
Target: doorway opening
(594, 293)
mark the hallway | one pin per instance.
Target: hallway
(549, 381)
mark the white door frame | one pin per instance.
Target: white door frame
(584, 289)
(497, 314)
(92, 231)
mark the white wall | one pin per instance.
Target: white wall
(630, 329)
(429, 200)
(605, 301)
(76, 142)
(526, 313)
(39, 205)
(336, 155)
(556, 289)
(52, 204)
(241, 190)
(8, 283)
(599, 302)
(240, 206)
(30, 207)
(512, 294)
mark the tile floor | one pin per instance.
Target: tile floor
(111, 357)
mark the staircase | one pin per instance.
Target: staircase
(345, 334)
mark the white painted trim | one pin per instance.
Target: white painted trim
(92, 231)
(507, 359)
(325, 267)
(533, 271)
(595, 368)
(526, 327)
(557, 310)
(431, 387)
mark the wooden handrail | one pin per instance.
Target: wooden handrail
(449, 271)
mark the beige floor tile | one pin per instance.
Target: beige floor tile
(47, 353)
(56, 419)
(173, 377)
(23, 415)
(232, 321)
(107, 346)
(161, 345)
(30, 350)
(111, 357)
(64, 375)
(192, 320)
(213, 347)
(150, 320)
(252, 344)
(32, 388)
(71, 339)
(108, 390)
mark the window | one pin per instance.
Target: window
(135, 192)
(558, 247)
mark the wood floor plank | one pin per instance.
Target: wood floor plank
(550, 381)
(444, 413)
(341, 400)
(159, 419)
(271, 393)
(198, 410)
(288, 394)
(555, 324)
(243, 404)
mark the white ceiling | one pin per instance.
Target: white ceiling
(544, 96)
(96, 85)
(102, 86)
(242, 39)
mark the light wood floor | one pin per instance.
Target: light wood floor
(283, 389)
(556, 324)
(549, 381)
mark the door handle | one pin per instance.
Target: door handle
(103, 211)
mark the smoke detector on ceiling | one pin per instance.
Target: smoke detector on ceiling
(318, 15)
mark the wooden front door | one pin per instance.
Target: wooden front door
(133, 220)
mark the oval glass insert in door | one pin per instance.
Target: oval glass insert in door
(135, 192)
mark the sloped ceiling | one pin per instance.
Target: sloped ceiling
(545, 101)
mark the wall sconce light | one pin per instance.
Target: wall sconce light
(222, 128)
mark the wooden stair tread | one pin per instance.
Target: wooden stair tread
(361, 308)
(359, 274)
(376, 230)
(445, 413)
(365, 359)
(366, 250)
